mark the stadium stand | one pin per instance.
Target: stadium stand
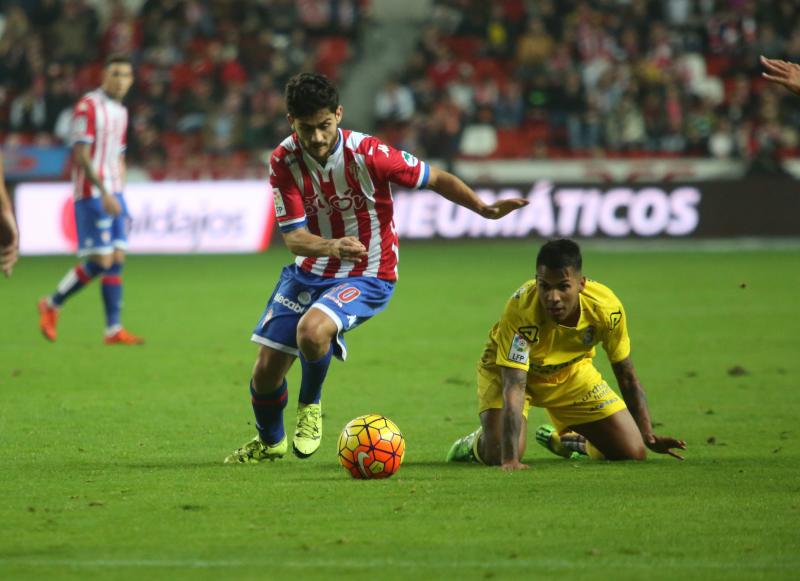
(505, 79)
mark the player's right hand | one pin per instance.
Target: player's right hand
(348, 248)
(111, 205)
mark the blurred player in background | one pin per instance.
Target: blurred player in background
(9, 235)
(540, 353)
(99, 125)
(333, 204)
(782, 72)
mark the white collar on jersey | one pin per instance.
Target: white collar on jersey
(333, 158)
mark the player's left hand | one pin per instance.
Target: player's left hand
(501, 208)
(664, 445)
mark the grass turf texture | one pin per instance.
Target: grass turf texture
(111, 457)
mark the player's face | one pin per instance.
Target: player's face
(559, 291)
(117, 80)
(318, 132)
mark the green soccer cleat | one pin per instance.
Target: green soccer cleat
(308, 434)
(571, 445)
(256, 451)
(462, 449)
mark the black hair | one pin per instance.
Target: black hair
(307, 93)
(560, 254)
(118, 59)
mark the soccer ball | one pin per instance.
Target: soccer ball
(371, 446)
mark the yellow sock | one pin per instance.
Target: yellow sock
(475, 448)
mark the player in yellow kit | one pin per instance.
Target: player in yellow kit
(540, 353)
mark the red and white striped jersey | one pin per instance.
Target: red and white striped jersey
(350, 196)
(102, 122)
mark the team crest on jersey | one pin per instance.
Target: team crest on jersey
(588, 335)
(354, 171)
(304, 297)
(280, 207)
(531, 333)
(519, 350)
(410, 160)
(615, 318)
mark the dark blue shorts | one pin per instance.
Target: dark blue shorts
(99, 233)
(349, 302)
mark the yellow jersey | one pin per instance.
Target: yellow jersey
(526, 338)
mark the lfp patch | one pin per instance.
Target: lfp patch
(519, 350)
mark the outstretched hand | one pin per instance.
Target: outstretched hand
(782, 72)
(665, 445)
(501, 208)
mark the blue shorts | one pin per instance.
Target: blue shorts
(347, 301)
(99, 233)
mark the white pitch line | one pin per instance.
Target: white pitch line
(590, 563)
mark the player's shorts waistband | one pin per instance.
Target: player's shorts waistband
(550, 369)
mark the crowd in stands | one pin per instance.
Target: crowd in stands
(208, 96)
(501, 79)
(564, 78)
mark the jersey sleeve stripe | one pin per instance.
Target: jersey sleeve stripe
(292, 225)
(424, 174)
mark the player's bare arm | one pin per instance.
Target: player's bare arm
(83, 157)
(454, 189)
(301, 242)
(636, 400)
(782, 72)
(514, 381)
(9, 235)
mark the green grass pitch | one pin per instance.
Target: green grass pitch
(111, 457)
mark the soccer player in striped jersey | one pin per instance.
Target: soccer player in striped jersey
(99, 125)
(333, 203)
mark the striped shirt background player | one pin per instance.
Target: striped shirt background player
(333, 204)
(99, 125)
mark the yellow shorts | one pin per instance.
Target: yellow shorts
(575, 395)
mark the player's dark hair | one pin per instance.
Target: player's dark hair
(559, 254)
(118, 59)
(307, 93)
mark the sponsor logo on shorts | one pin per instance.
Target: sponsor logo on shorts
(604, 404)
(519, 350)
(289, 303)
(597, 392)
